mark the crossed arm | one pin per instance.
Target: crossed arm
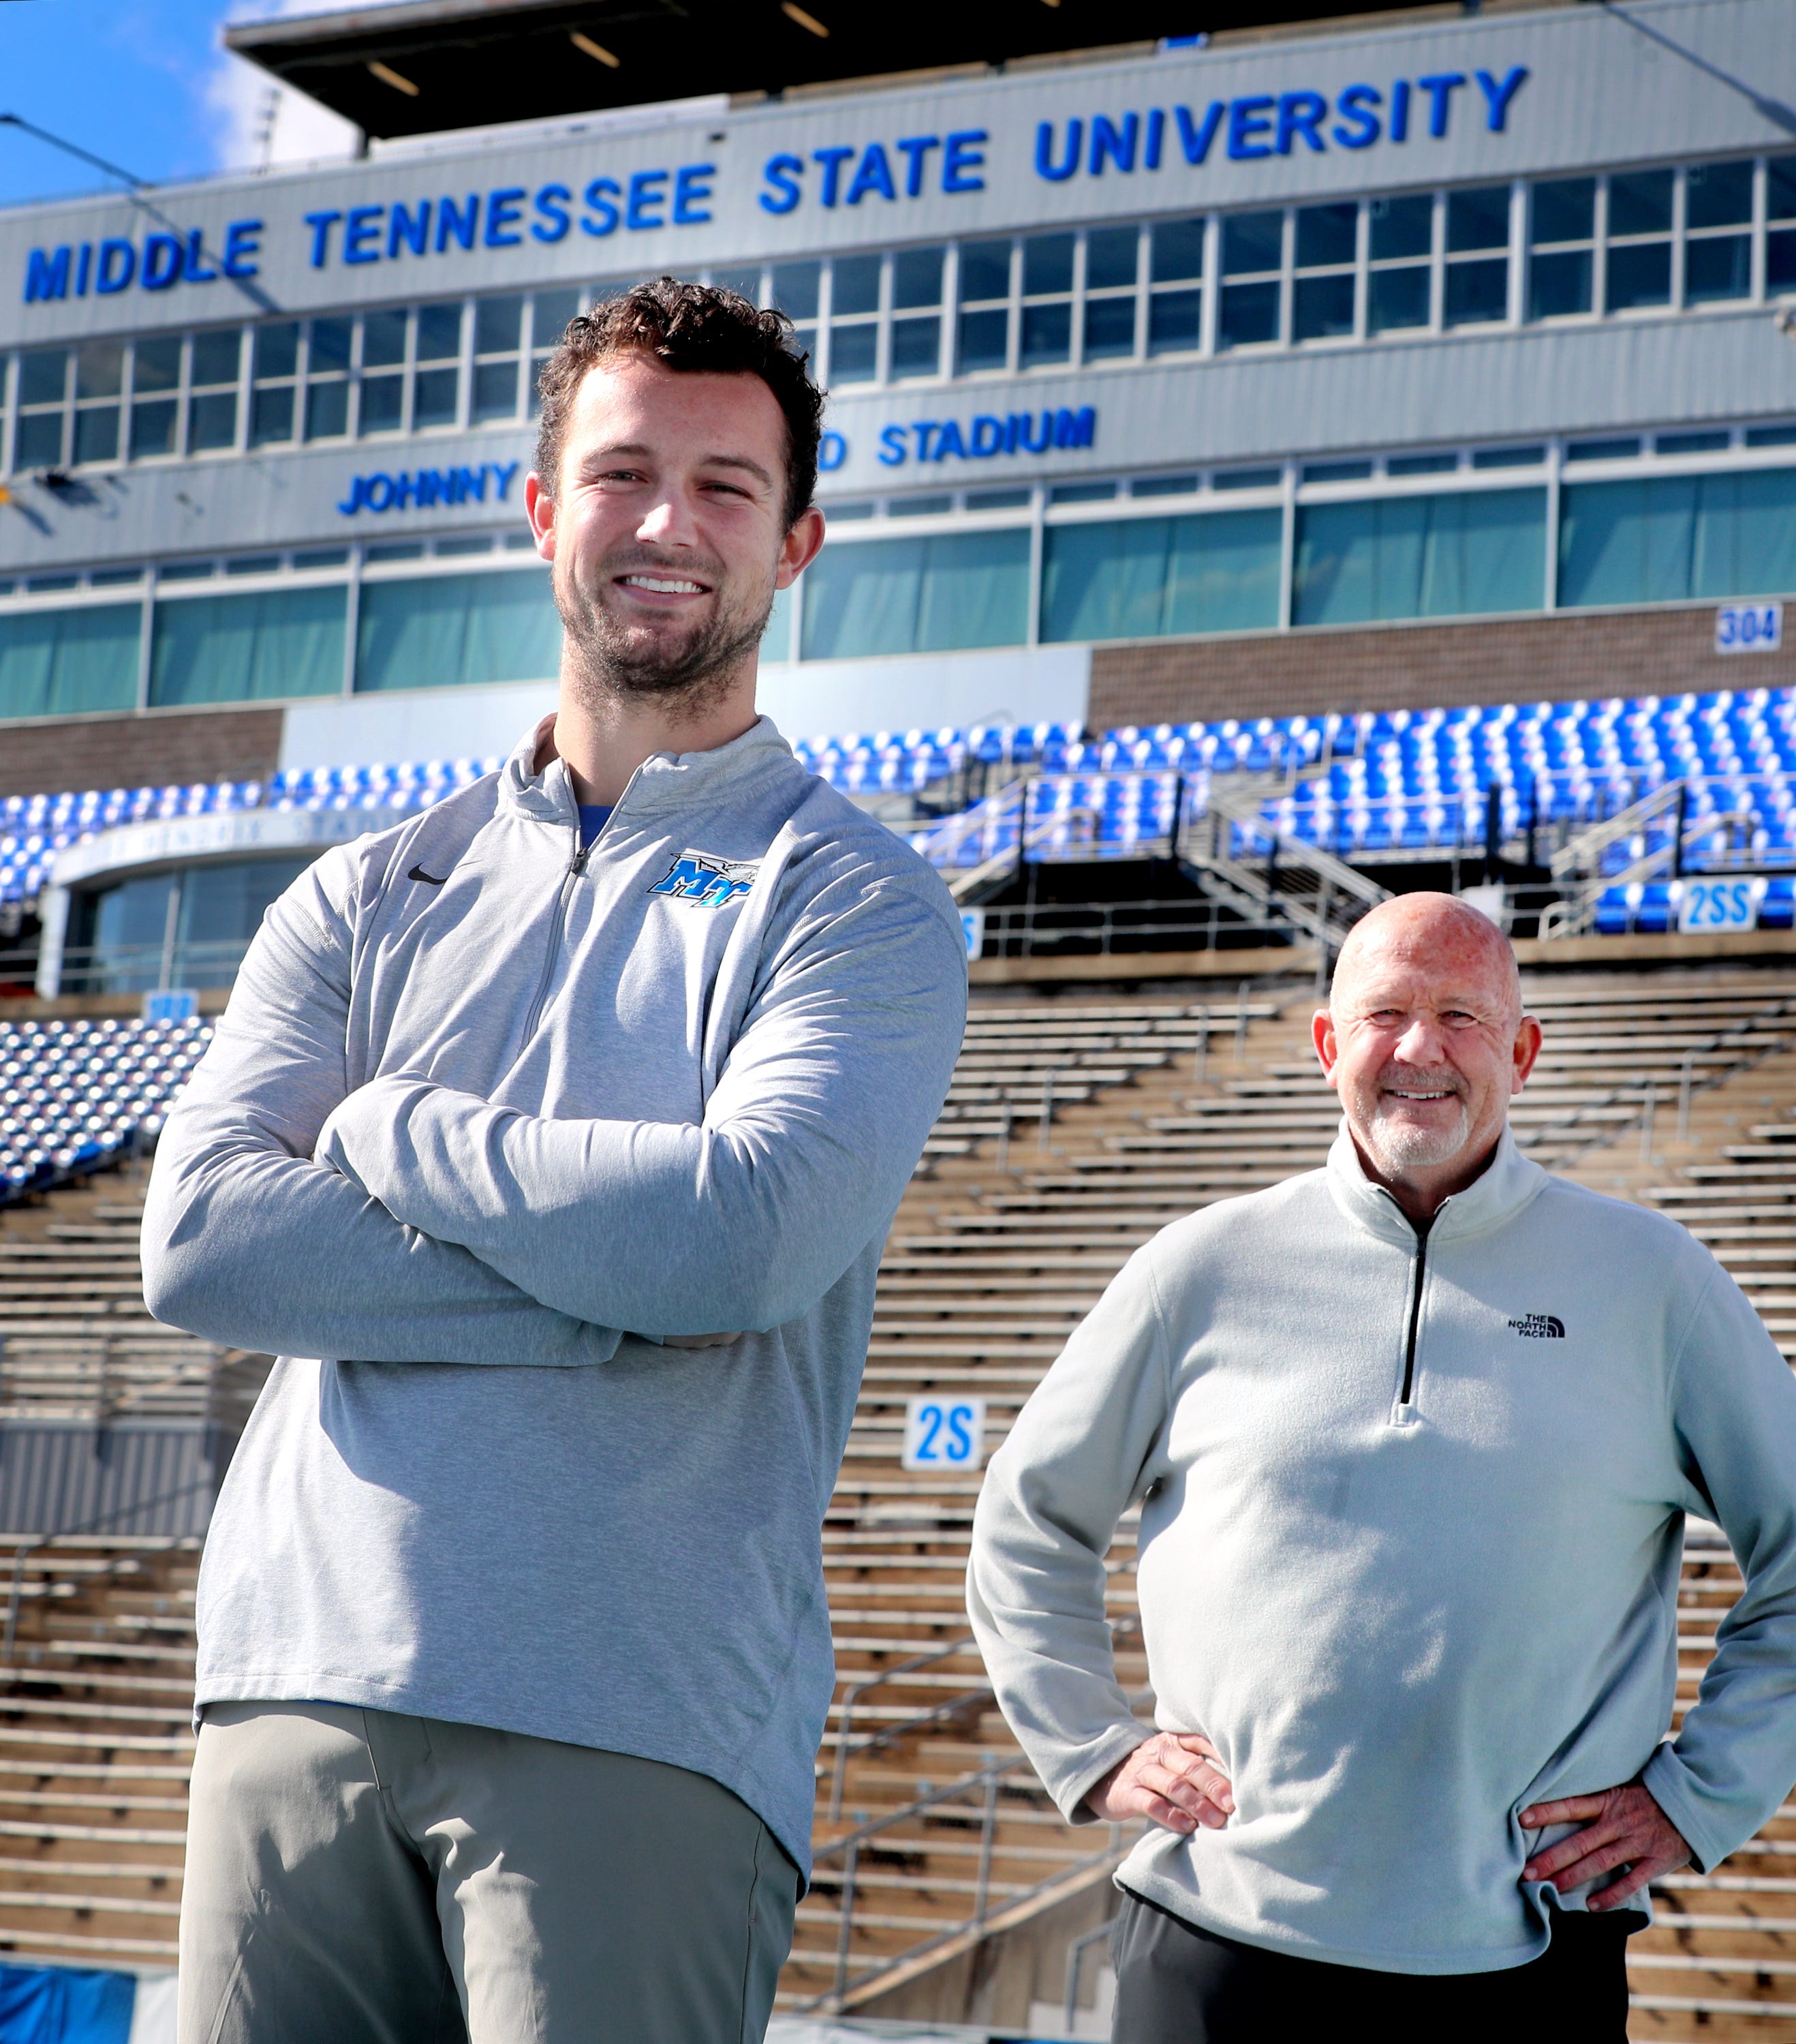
(405, 1220)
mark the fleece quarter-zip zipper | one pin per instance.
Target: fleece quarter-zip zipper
(577, 867)
(1404, 1397)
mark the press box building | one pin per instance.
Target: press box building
(1444, 357)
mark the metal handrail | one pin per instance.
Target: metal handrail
(853, 1695)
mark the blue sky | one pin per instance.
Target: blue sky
(142, 82)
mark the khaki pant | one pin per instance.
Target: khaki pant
(359, 1877)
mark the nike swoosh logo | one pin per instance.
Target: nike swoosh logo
(429, 879)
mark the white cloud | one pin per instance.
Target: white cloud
(260, 122)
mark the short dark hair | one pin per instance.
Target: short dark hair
(687, 327)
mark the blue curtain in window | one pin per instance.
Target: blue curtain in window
(1665, 538)
(442, 631)
(1145, 577)
(925, 595)
(255, 646)
(1452, 555)
(59, 662)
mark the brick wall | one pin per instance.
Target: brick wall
(1417, 666)
(149, 748)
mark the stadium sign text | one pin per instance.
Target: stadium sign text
(985, 435)
(420, 489)
(1147, 141)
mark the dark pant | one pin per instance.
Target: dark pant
(1177, 1984)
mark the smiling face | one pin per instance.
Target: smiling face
(665, 528)
(1426, 1042)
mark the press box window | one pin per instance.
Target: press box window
(274, 382)
(1400, 242)
(1637, 265)
(1112, 262)
(1253, 244)
(383, 406)
(1780, 242)
(1562, 227)
(43, 380)
(1048, 309)
(1175, 268)
(854, 319)
(550, 313)
(99, 384)
(212, 393)
(1327, 247)
(796, 290)
(1477, 281)
(1718, 231)
(982, 332)
(917, 320)
(436, 380)
(498, 336)
(155, 404)
(328, 345)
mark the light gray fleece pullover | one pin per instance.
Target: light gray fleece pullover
(1401, 1619)
(482, 1114)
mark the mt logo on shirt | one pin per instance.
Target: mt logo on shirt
(703, 877)
(1539, 1326)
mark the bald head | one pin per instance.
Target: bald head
(1437, 934)
(1425, 1041)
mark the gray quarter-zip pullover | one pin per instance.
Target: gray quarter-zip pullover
(486, 1118)
(1411, 1524)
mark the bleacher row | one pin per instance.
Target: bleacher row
(1401, 781)
(1072, 1132)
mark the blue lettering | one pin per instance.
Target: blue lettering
(191, 264)
(403, 229)
(321, 224)
(377, 492)
(893, 452)
(1439, 91)
(951, 441)
(832, 451)
(84, 269)
(453, 220)
(873, 173)
(988, 436)
(1357, 104)
(959, 1434)
(831, 160)
(642, 210)
(469, 485)
(243, 243)
(404, 489)
(1018, 433)
(1499, 94)
(46, 276)
(117, 265)
(601, 216)
(552, 203)
(1298, 114)
(357, 491)
(1045, 165)
(961, 157)
(1156, 137)
(1074, 429)
(502, 473)
(162, 255)
(1246, 121)
(432, 486)
(1400, 111)
(922, 428)
(502, 209)
(692, 194)
(1117, 143)
(1195, 141)
(782, 173)
(916, 147)
(361, 234)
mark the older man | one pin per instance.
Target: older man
(1414, 1437)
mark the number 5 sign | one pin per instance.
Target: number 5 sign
(945, 1433)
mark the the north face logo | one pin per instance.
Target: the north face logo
(1539, 1326)
(700, 877)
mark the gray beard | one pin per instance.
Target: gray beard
(692, 676)
(1400, 1147)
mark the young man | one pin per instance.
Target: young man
(564, 1123)
(1414, 1437)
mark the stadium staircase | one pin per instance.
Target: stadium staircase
(1075, 1129)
